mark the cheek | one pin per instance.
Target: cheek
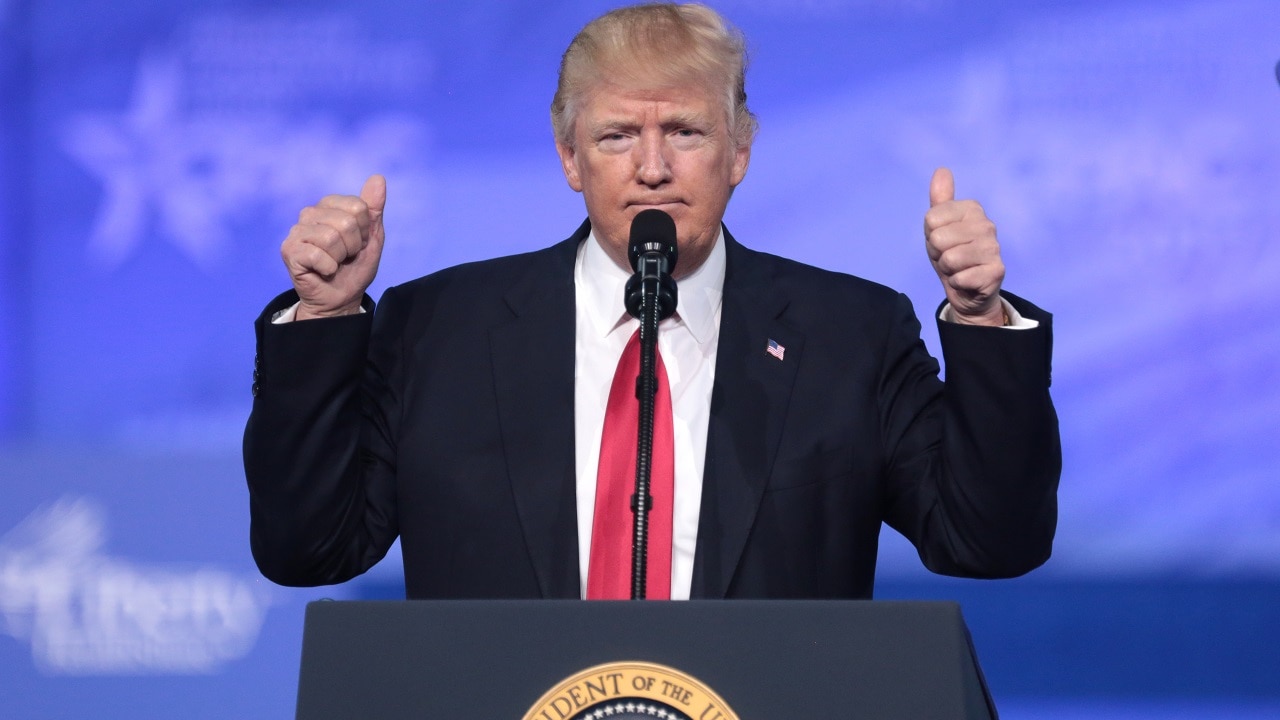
(607, 184)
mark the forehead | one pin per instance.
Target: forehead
(606, 100)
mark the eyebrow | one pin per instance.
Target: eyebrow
(690, 118)
(609, 125)
(694, 119)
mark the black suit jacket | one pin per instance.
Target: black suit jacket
(446, 417)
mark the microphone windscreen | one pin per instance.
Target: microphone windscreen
(652, 231)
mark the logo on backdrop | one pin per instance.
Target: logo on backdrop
(238, 121)
(86, 613)
(630, 690)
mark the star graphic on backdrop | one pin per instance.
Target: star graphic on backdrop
(154, 167)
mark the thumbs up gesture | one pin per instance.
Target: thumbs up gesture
(332, 253)
(962, 247)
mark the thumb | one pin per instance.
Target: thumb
(374, 194)
(942, 188)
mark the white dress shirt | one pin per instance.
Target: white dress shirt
(687, 342)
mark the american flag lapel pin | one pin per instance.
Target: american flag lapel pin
(775, 349)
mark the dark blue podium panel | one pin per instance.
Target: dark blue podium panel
(497, 659)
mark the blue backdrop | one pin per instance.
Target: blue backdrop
(154, 154)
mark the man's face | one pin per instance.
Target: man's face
(637, 148)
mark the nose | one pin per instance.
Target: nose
(652, 168)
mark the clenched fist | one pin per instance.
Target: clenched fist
(332, 253)
(962, 247)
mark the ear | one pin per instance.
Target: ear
(741, 159)
(569, 163)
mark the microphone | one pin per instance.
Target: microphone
(650, 296)
(653, 254)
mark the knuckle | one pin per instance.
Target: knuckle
(292, 242)
(946, 263)
(348, 225)
(346, 203)
(322, 262)
(943, 238)
(309, 255)
(330, 236)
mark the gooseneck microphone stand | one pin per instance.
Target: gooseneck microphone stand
(642, 501)
(651, 297)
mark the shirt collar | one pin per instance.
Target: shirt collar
(601, 284)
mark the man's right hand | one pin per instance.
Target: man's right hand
(332, 253)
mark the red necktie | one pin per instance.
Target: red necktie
(609, 574)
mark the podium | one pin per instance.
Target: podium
(766, 660)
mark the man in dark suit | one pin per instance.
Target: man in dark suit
(465, 414)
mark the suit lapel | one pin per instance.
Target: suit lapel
(748, 411)
(533, 360)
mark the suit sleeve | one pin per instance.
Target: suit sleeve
(973, 462)
(319, 451)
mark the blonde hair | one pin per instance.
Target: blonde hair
(664, 42)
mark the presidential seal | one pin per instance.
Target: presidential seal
(626, 690)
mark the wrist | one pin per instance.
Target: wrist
(306, 312)
(997, 316)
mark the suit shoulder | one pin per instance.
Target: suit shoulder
(486, 280)
(478, 274)
(801, 281)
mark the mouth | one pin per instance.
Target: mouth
(665, 205)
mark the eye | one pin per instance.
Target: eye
(687, 138)
(613, 142)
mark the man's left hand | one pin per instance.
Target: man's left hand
(962, 247)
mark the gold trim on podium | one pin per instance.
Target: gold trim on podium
(642, 683)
